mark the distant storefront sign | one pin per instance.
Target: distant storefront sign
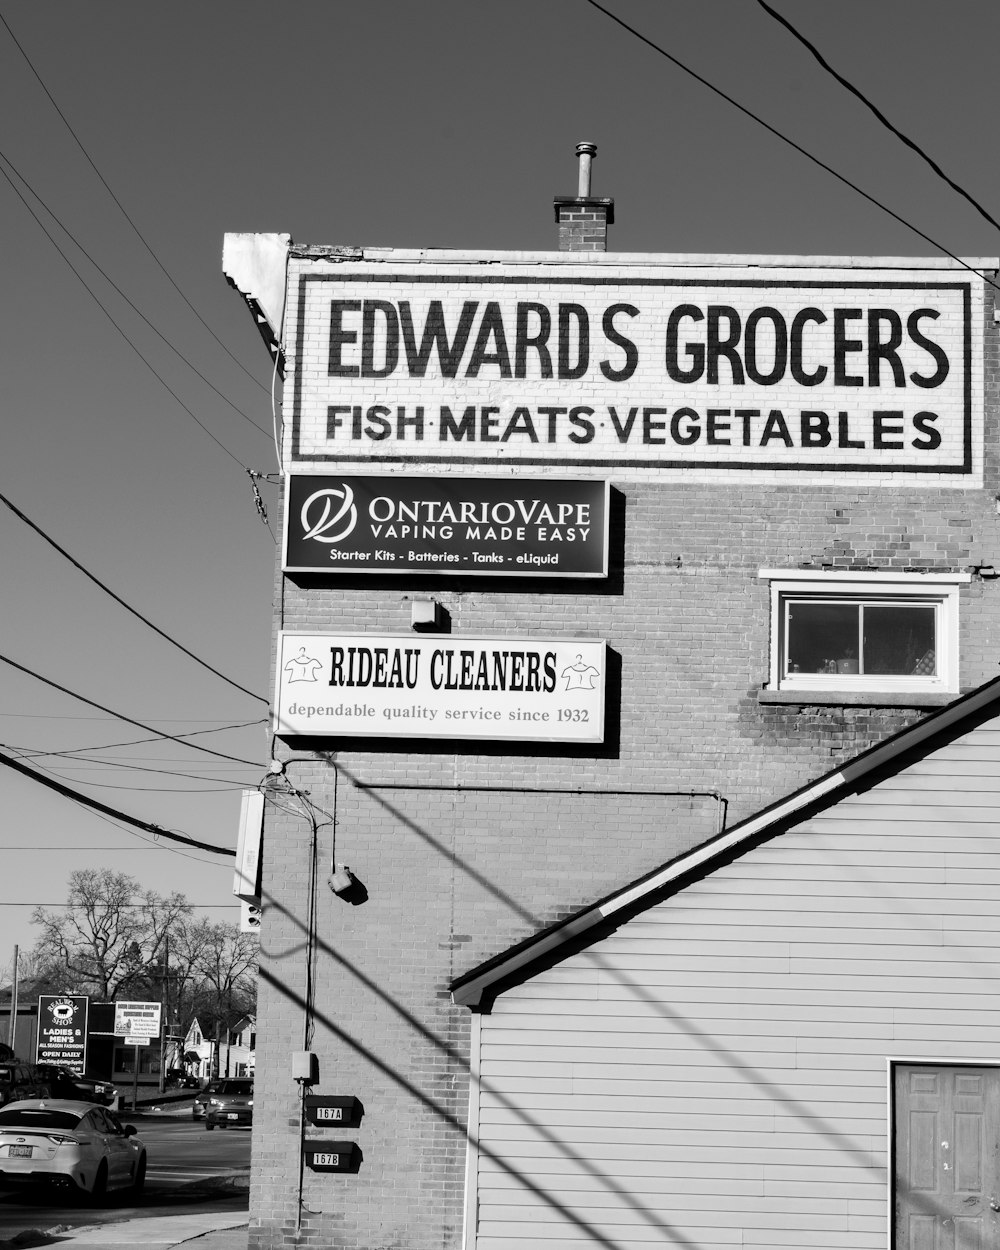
(637, 371)
(382, 685)
(522, 527)
(136, 1022)
(62, 1030)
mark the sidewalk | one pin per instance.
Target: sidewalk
(208, 1231)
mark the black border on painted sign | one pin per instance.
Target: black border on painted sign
(345, 568)
(623, 466)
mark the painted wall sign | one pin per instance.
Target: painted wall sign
(485, 526)
(790, 370)
(440, 686)
(62, 1030)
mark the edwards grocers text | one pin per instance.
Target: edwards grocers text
(837, 372)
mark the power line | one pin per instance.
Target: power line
(167, 720)
(159, 832)
(83, 754)
(106, 765)
(225, 783)
(6, 902)
(146, 844)
(101, 708)
(791, 142)
(136, 742)
(121, 602)
(872, 108)
(138, 311)
(109, 785)
(121, 208)
(93, 294)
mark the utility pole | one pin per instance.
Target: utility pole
(11, 1032)
(165, 1008)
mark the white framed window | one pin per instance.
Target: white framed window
(864, 632)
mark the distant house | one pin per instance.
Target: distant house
(236, 1051)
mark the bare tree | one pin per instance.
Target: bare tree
(112, 933)
(228, 963)
(190, 994)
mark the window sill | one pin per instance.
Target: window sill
(858, 698)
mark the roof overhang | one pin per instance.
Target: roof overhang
(477, 988)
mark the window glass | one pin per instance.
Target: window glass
(899, 639)
(822, 637)
(236, 1087)
(847, 639)
(37, 1117)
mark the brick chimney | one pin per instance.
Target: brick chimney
(583, 219)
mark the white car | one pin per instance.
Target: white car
(70, 1143)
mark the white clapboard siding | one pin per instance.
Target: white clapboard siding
(714, 1074)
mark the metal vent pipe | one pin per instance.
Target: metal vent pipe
(586, 153)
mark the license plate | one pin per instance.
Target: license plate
(19, 1152)
(232, 1115)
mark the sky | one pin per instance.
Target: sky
(445, 123)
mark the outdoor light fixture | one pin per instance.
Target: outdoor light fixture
(341, 880)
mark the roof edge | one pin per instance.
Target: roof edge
(474, 988)
(707, 260)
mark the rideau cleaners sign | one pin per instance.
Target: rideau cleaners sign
(848, 370)
(404, 686)
(484, 526)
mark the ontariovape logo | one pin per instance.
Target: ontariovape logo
(329, 515)
(61, 1010)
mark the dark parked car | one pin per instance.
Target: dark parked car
(177, 1078)
(200, 1106)
(60, 1082)
(19, 1081)
(231, 1103)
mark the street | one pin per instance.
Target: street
(189, 1170)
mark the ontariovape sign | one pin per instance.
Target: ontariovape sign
(519, 527)
(846, 371)
(403, 686)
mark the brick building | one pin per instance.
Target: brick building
(782, 482)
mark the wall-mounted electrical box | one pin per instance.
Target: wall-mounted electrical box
(305, 1067)
(343, 1109)
(332, 1156)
